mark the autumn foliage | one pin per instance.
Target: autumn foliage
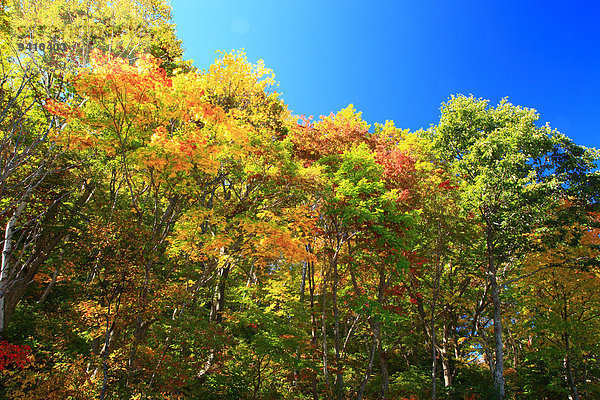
(180, 234)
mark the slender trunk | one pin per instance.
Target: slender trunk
(139, 335)
(50, 286)
(218, 303)
(446, 369)
(175, 317)
(6, 253)
(446, 364)
(106, 348)
(499, 364)
(374, 345)
(305, 268)
(433, 354)
(377, 346)
(513, 345)
(15, 279)
(104, 355)
(385, 375)
(162, 357)
(54, 275)
(207, 365)
(569, 367)
(258, 378)
(436, 291)
(489, 355)
(477, 328)
(495, 293)
(216, 313)
(324, 334)
(303, 282)
(336, 327)
(313, 317)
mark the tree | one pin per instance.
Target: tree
(509, 170)
(365, 199)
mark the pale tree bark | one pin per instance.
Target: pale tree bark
(324, 334)
(446, 368)
(54, 275)
(336, 327)
(175, 318)
(218, 303)
(6, 254)
(42, 241)
(499, 386)
(303, 281)
(313, 320)
(385, 376)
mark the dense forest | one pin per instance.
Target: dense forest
(172, 233)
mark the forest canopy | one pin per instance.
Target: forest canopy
(177, 233)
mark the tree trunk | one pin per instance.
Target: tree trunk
(446, 370)
(336, 326)
(313, 320)
(569, 368)
(324, 334)
(108, 344)
(385, 375)
(445, 356)
(303, 282)
(50, 286)
(6, 254)
(218, 303)
(499, 350)
(377, 346)
(216, 314)
(488, 355)
(374, 345)
(436, 291)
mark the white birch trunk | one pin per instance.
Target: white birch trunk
(6, 253)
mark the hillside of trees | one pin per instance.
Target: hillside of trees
(172, 233)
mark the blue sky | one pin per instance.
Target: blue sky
(399, 60)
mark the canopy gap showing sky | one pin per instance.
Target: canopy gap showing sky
(399, 60)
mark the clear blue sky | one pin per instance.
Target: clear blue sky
(399, 60)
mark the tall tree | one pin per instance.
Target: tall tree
(510, 170)
(35, 65)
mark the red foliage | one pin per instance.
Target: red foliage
(446, 185)
(14, 355)
(398, 168)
